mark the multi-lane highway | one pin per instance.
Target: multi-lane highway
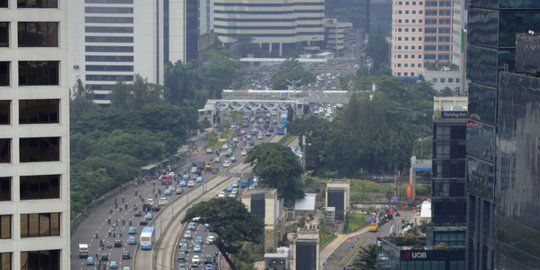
(162, 256)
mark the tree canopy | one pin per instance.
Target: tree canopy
(377, 49)
(277, 167)
(291, 73)
(375, 132)
(231, 221)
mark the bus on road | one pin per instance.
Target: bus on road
(147, 238)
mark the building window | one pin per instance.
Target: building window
(450, 80)
(3, 4)
(5, 189)
(40, 187)
(38, 72)
(443, 80)
(5, 150)
(5, 112)
(37, 3)
(5, 227)
(5, 261)
(419, 65)
(4, 34)
(38, 111)
(39, 225)
(4, 73)
(38, 34)
(457, 80)
(40, 260)
(434, 80)
(39, 149)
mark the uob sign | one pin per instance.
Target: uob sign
(414, 255)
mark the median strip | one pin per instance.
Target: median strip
(351, 253)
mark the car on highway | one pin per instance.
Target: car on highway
(132, 230)
(181, 257)
(183, 242)
(117, 243)
(182, 183)
(113, 265)
(192, 226)
(207, 259)
(217, 160)
(209, 150)
(229, 188)
(221, 194)
(126, 255)
(179, 190)
(191, 183)
(225, 146)
(104, 257)
(235, 184)
(195, 259)
(90, 261)
(243, 152)
(188, 235)
(168, 192)
(197, 248)
(137, 214)
(126, 268)
(199, 179)
(207, 226)
(208, 267)
(233, 159)
(163, 201)
(226, 164)
(149, 216)
(198, 240)
(131, 240)
(232, 195)
(210, 239)
(143, 222)
(184, 249)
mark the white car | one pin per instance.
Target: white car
(225, 147)
(232, 195)
(162, 201)
(221, 195)
(210, 239)
(209, 150)
(195, 259)
(226, 164)
(235, 139)
(191, 183)
(243, 153)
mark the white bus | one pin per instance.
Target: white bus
(147, 238)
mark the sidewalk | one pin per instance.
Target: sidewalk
(325, 253)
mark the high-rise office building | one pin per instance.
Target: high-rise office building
(517, 188)
(273, 24)
(407, 52)
(113, 40)
(34, 135)
(438, 30)
(449, 156)
(459, 40)
(496, 237)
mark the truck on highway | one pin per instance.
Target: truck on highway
(83, 250)
(208, 165)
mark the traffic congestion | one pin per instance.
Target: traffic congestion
(116, 228)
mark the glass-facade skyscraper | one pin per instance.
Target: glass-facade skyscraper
(496, 223)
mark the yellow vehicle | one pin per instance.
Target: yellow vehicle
(208, 166)
(373, 227)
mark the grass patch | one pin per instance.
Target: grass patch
(363, 190)
(214, 142)
(356, 221)
(286, 139)
(326, 234)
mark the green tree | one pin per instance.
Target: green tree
(219, 70)
(366, 259)
(378, 50)
(184, 83)
(136, 94)
(277, 167)
(232, 223)
(245, 47)
(291, 73)
(81, 101)
(446, 92)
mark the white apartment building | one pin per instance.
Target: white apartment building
(34, 135)
(113, 40)
(407, 52)
(273, 24)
